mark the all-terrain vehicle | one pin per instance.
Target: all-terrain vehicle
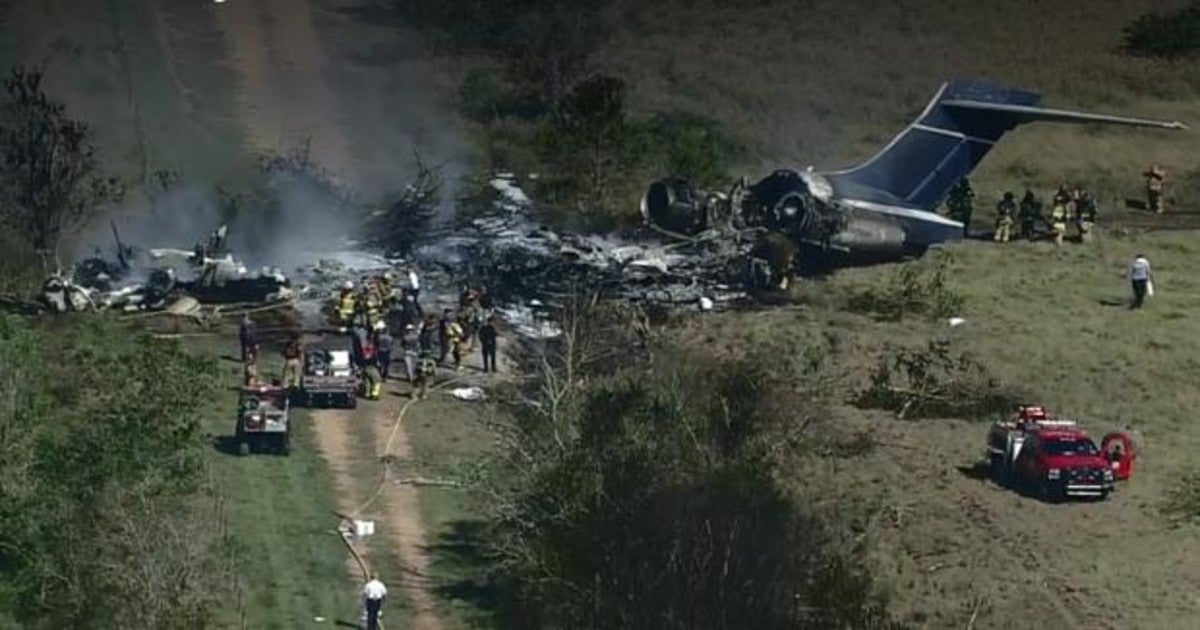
(328, 380)
(262, 422)
(1051, 457)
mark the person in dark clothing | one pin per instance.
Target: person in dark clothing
(248, 337)
(410, 311)
(425, 336)
(383, 351)
(444, 335)
(487, 341)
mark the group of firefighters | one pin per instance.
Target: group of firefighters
(375, 312)
(1069, 206)
(1074, 206)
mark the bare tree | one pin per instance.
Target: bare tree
(49, 181)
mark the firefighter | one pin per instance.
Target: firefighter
(1004, 218)
(454, 335)
(426, 369)
(383, 349)
(1029, 214)
(372, 303)
(960, 204)
(1085, 214)
(1059, 214)
(291, 362)
(387, 289)
(347, 304)
(1156, 179)
(369, 369)
(248, 337)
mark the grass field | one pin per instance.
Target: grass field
(279, 511)
(828, 83)
(1054, 323)
(449, 438)
(148, 76)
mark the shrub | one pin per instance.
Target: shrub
(692, 147)
(644, 493)
(916, 288)
(1166, 35)
(934, 381)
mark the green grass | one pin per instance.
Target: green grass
(447, 438)
(279, 511)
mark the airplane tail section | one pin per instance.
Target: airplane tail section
(954, 132)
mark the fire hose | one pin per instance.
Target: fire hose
(384, 459)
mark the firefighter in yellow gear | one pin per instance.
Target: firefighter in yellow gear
(1004, 218)
(426, 369)
(1058, 222)
(347, 304)
(1156, 179)
(387, 290)
(455, 334)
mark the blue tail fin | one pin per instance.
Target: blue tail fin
(956, 130)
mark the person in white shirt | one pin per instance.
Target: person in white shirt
(414, 283)
(373, 595)
(1142, 279)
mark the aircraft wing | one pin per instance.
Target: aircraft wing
(1027, 113)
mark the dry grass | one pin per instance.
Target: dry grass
(1051, 322)
(827, 83)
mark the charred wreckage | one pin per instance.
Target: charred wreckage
(717, 246)
(882, 209)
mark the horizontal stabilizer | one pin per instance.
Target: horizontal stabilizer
(948, 139)
(1025, 113)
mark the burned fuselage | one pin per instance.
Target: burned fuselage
(799, 205)
(883, 208)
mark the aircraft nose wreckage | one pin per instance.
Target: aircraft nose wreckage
(882, 209)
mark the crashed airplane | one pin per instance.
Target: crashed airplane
(882, 209)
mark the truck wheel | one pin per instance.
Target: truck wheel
(996, 466)
(243, 447)
(285, 446)
(1047, 492)
(351, 401)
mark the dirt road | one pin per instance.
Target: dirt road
(376, 496)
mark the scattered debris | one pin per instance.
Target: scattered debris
(468, 393)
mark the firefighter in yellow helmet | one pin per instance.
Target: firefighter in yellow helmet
(1059, 213)
(1005, 210)
(345, 304)
(1156, 179)
(456, 336)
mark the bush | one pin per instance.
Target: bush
(935, 382)
(645, 493)
(692, 147)
(1165, 35)
(103, 522)
(916, 288)
(590, 149)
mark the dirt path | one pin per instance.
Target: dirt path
(284, 97)
(334, 443)
(401, 508)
